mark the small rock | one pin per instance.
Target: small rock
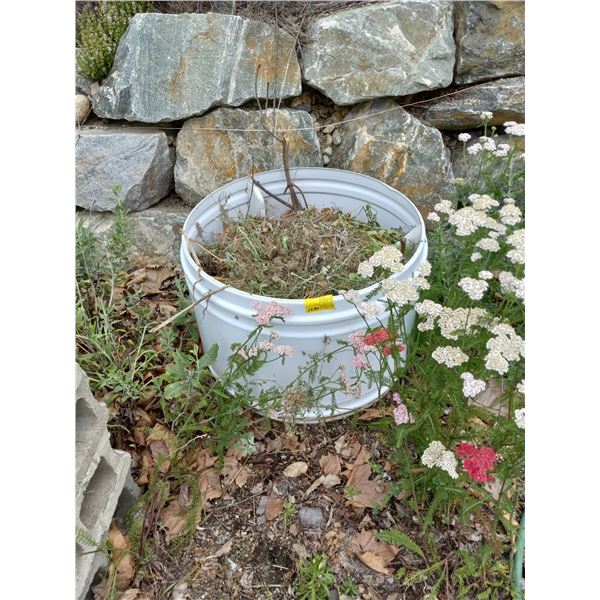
(82, 108)
(311, 517)
(328, 129)
(262, 505)
(328, 139)
(325, 159)
(328, 151)
(336, 138)
(179, 591)
(282, 487)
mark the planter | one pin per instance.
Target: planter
(227, 317)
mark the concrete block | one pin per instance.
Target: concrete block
(102, 475)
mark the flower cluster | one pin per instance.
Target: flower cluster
(510, 214)
(402, 292)
(520, 418)
(477, 461)
(504, 347)
(483, 202)
(513, 128)
(474, 288)
(401, 414)
(451, 321)
(451, 356)
(436, 455)
(389, 257)
(272, 310)
(517, 240)
(471, 386)
(369, 310)
(512, 284)
(468, 220)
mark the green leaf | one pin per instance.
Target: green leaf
(399, 538)
(208, 358)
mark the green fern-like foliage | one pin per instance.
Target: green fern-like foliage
(99, 33)
(399, 538)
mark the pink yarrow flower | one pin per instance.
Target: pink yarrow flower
(272, 310)
(401, 414)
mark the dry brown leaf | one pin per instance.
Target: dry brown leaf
(139, 436)
(274, 508)
(242, 477)
(205, 459)
(210, 485)
(166, 309)
(375, 562)
(131, 594)
(363, 456)
(286, 441)
(296, 469)
(122, 567)
(376, 412)
(330, 464)
(330, 481)
(161, 441)
(146, 469)
(230, 468)
(373, 552)
(371, 493)
(174, 519)
(340, 444)
(142, 418)
(151, 278)
(224, 549)
(314, 485)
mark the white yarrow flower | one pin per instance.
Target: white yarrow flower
(510, 214)
(451, 356)
(520, 417)
(471, 386)
(433, 217)
(486, 115)
(464, 137)
(401, 292)
(486, 275)
(475, 148)
(489, 244)
(474, 288)
(444, 206)
(436, 455)
(475, 256)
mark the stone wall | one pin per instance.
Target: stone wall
(177, 115)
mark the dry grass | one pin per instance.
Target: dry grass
(304, 254)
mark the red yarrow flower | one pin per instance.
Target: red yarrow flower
(378, 337)
(477, 461)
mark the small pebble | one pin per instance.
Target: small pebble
(328, 129)
(325, 159)
(336, 138)
(328, 151)
(328, 140)
(311, 517)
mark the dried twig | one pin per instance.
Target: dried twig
(187, 308)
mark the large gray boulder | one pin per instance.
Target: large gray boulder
(505, 98)
(140, 162)
(171, 67)
(389, 49)
(207, 159)
(490, 38)
(398, 149)
(155, 231)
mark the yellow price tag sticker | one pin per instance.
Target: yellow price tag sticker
(321, 303)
